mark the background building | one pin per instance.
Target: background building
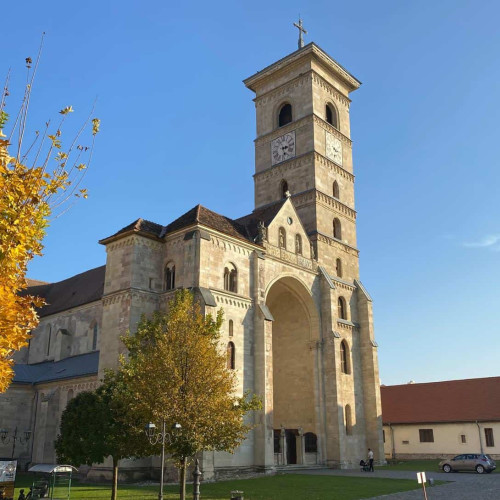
(440, 419)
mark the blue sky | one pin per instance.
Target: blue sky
(178, 128)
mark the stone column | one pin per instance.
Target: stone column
(283, 445)
(302, 446)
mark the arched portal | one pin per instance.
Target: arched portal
(295, 332)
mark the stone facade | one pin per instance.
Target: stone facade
(286, 276)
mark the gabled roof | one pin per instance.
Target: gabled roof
(449, 401)
(75, 291)
(265, 214)
(72, 367)
(141, 226)
(245, 227)
(201, 215)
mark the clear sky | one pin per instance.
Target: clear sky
(178, 128)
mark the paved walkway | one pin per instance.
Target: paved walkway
(460, 486)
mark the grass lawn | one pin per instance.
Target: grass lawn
(280, 487)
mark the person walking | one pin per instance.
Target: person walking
(370, 460)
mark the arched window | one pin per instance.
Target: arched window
(337, 230)
(283, 188)
(342, 309)
(331, 115)
(169, 276)
(282, 238)
(310, 442)
(70, 396)
(230, 327)
(348, 420)
(231, 278)
(285, 115)
(344, 357)
(230, 356)
(94, 338)
(49, 338)
(338, 268)
(336, 190)
(298, 244)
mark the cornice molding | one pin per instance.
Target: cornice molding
(296, 125)
(340, 245)
(224, 297)
(341, 98)
(283, 89)
(332, 130)
(312, 196)
(325, 162)
(335, 205)
(282, 168)
(290, 258)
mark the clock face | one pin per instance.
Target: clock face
(283, 148)
(333, 148)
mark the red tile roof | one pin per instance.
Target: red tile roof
(450, 401)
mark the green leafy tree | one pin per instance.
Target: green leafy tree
(176, 372)
(96, 425)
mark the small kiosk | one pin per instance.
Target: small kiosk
(51, 481)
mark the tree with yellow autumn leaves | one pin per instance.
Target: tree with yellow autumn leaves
(175, 372)
(38, 176)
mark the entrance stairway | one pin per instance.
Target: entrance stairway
(295, 467)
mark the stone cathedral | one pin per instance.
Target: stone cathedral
(298, 322)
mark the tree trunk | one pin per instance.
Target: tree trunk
(114, 490)
(182, 483)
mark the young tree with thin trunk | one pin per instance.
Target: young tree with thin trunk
(176, 371)
(95, 425)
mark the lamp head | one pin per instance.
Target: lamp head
(27, 434)
(176, 427)
(150, 429)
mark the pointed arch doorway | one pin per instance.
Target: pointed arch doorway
(295, 332)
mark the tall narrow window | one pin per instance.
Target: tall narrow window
(283, 188)
(231, 327)
(49, 338)
(488, 434)
(344, 357)
(338, 268)
(169, 276)
(231, 278)
(336, 190)
(94, 338)
(342, 310)
(230, 356)
(337, 229)
(282, 238)
(285, 115)
(348, 420)
(310, 442)
(298, 244)
(331, 115)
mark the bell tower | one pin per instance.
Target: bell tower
(303, 146)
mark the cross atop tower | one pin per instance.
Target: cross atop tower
(301, 30)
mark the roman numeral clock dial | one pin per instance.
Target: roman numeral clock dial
(283, 148)
(333, 148)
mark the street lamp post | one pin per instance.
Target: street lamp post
(6, 439)
(155, 437)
